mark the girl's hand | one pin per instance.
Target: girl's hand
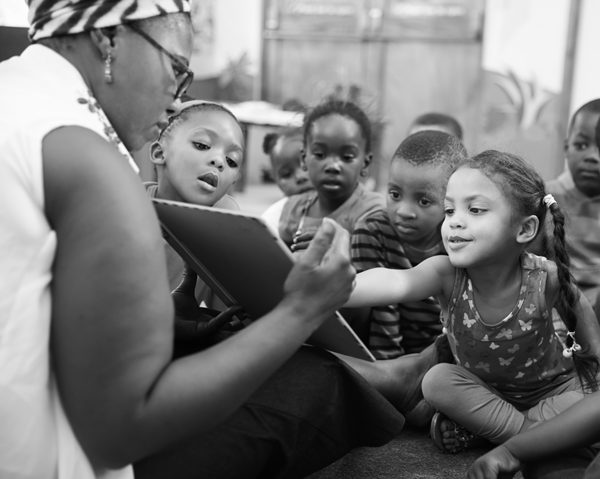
(498, 463)
(302, 240)
(193, 323)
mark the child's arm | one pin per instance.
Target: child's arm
(381, 286)
(587, 332)
(574, 428)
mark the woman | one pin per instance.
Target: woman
(87, 385)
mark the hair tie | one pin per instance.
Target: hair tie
(568, 352)
(549, 200)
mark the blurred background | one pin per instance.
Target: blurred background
(511, 71)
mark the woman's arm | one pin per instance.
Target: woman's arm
(382, 286)
(112, 314)
(578, 426)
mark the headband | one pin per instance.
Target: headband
(51, 18)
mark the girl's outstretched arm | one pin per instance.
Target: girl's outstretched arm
(574, 428)
(382, 286)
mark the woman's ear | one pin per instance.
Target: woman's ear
(528, 229)
(104, 40)
(157, 154)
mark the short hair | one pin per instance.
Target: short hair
(430, 147)
(185, 114)
(271, 139)
(440, 119)
(346, 108)
(591, 106)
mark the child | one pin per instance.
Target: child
(197, 158)
(511, 371)
(337, 142)
(562, 434)
(436, 121)
(405, 234)
(285, 149)
(577, 191)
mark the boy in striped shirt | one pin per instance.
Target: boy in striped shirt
(406, 233)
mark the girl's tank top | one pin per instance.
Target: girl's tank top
(522, 352)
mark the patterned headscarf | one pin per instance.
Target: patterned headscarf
(50, 18)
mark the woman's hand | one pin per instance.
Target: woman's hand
(321, 280)
(498, 463)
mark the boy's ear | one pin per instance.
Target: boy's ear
(528, 229)
(157, 155)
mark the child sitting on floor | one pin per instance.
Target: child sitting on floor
(406, 233)
(438, 122)
(337, 153)
(511, 371)
(284, 148)
(197, 158)
(577, 192)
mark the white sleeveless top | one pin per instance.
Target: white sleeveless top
(39, 92)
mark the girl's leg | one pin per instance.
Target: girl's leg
(466, 399)
(556, 401)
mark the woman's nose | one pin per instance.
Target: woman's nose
(174, 108)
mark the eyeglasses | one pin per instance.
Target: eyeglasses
(183, 74)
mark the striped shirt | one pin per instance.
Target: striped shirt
(395, 329)
(583, 232)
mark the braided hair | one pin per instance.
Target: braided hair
(525, 190)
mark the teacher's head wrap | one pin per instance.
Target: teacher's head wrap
(51, 18)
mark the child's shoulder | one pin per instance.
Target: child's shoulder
(531, 261)
(300, 199)
(374, 221)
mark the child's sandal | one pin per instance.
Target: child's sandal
(463, 438)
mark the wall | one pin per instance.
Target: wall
(586, 82)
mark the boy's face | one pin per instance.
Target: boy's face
(582, 153)
(413, 201)
(289, 175)
(202, 158)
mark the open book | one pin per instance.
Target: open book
(244, 263)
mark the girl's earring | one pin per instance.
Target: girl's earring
(364, 173)
(304, 167)
(108, 78)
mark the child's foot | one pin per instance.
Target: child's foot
(450, 437)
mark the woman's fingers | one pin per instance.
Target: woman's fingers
(323, 275)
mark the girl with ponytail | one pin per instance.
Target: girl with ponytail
(511, 370)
